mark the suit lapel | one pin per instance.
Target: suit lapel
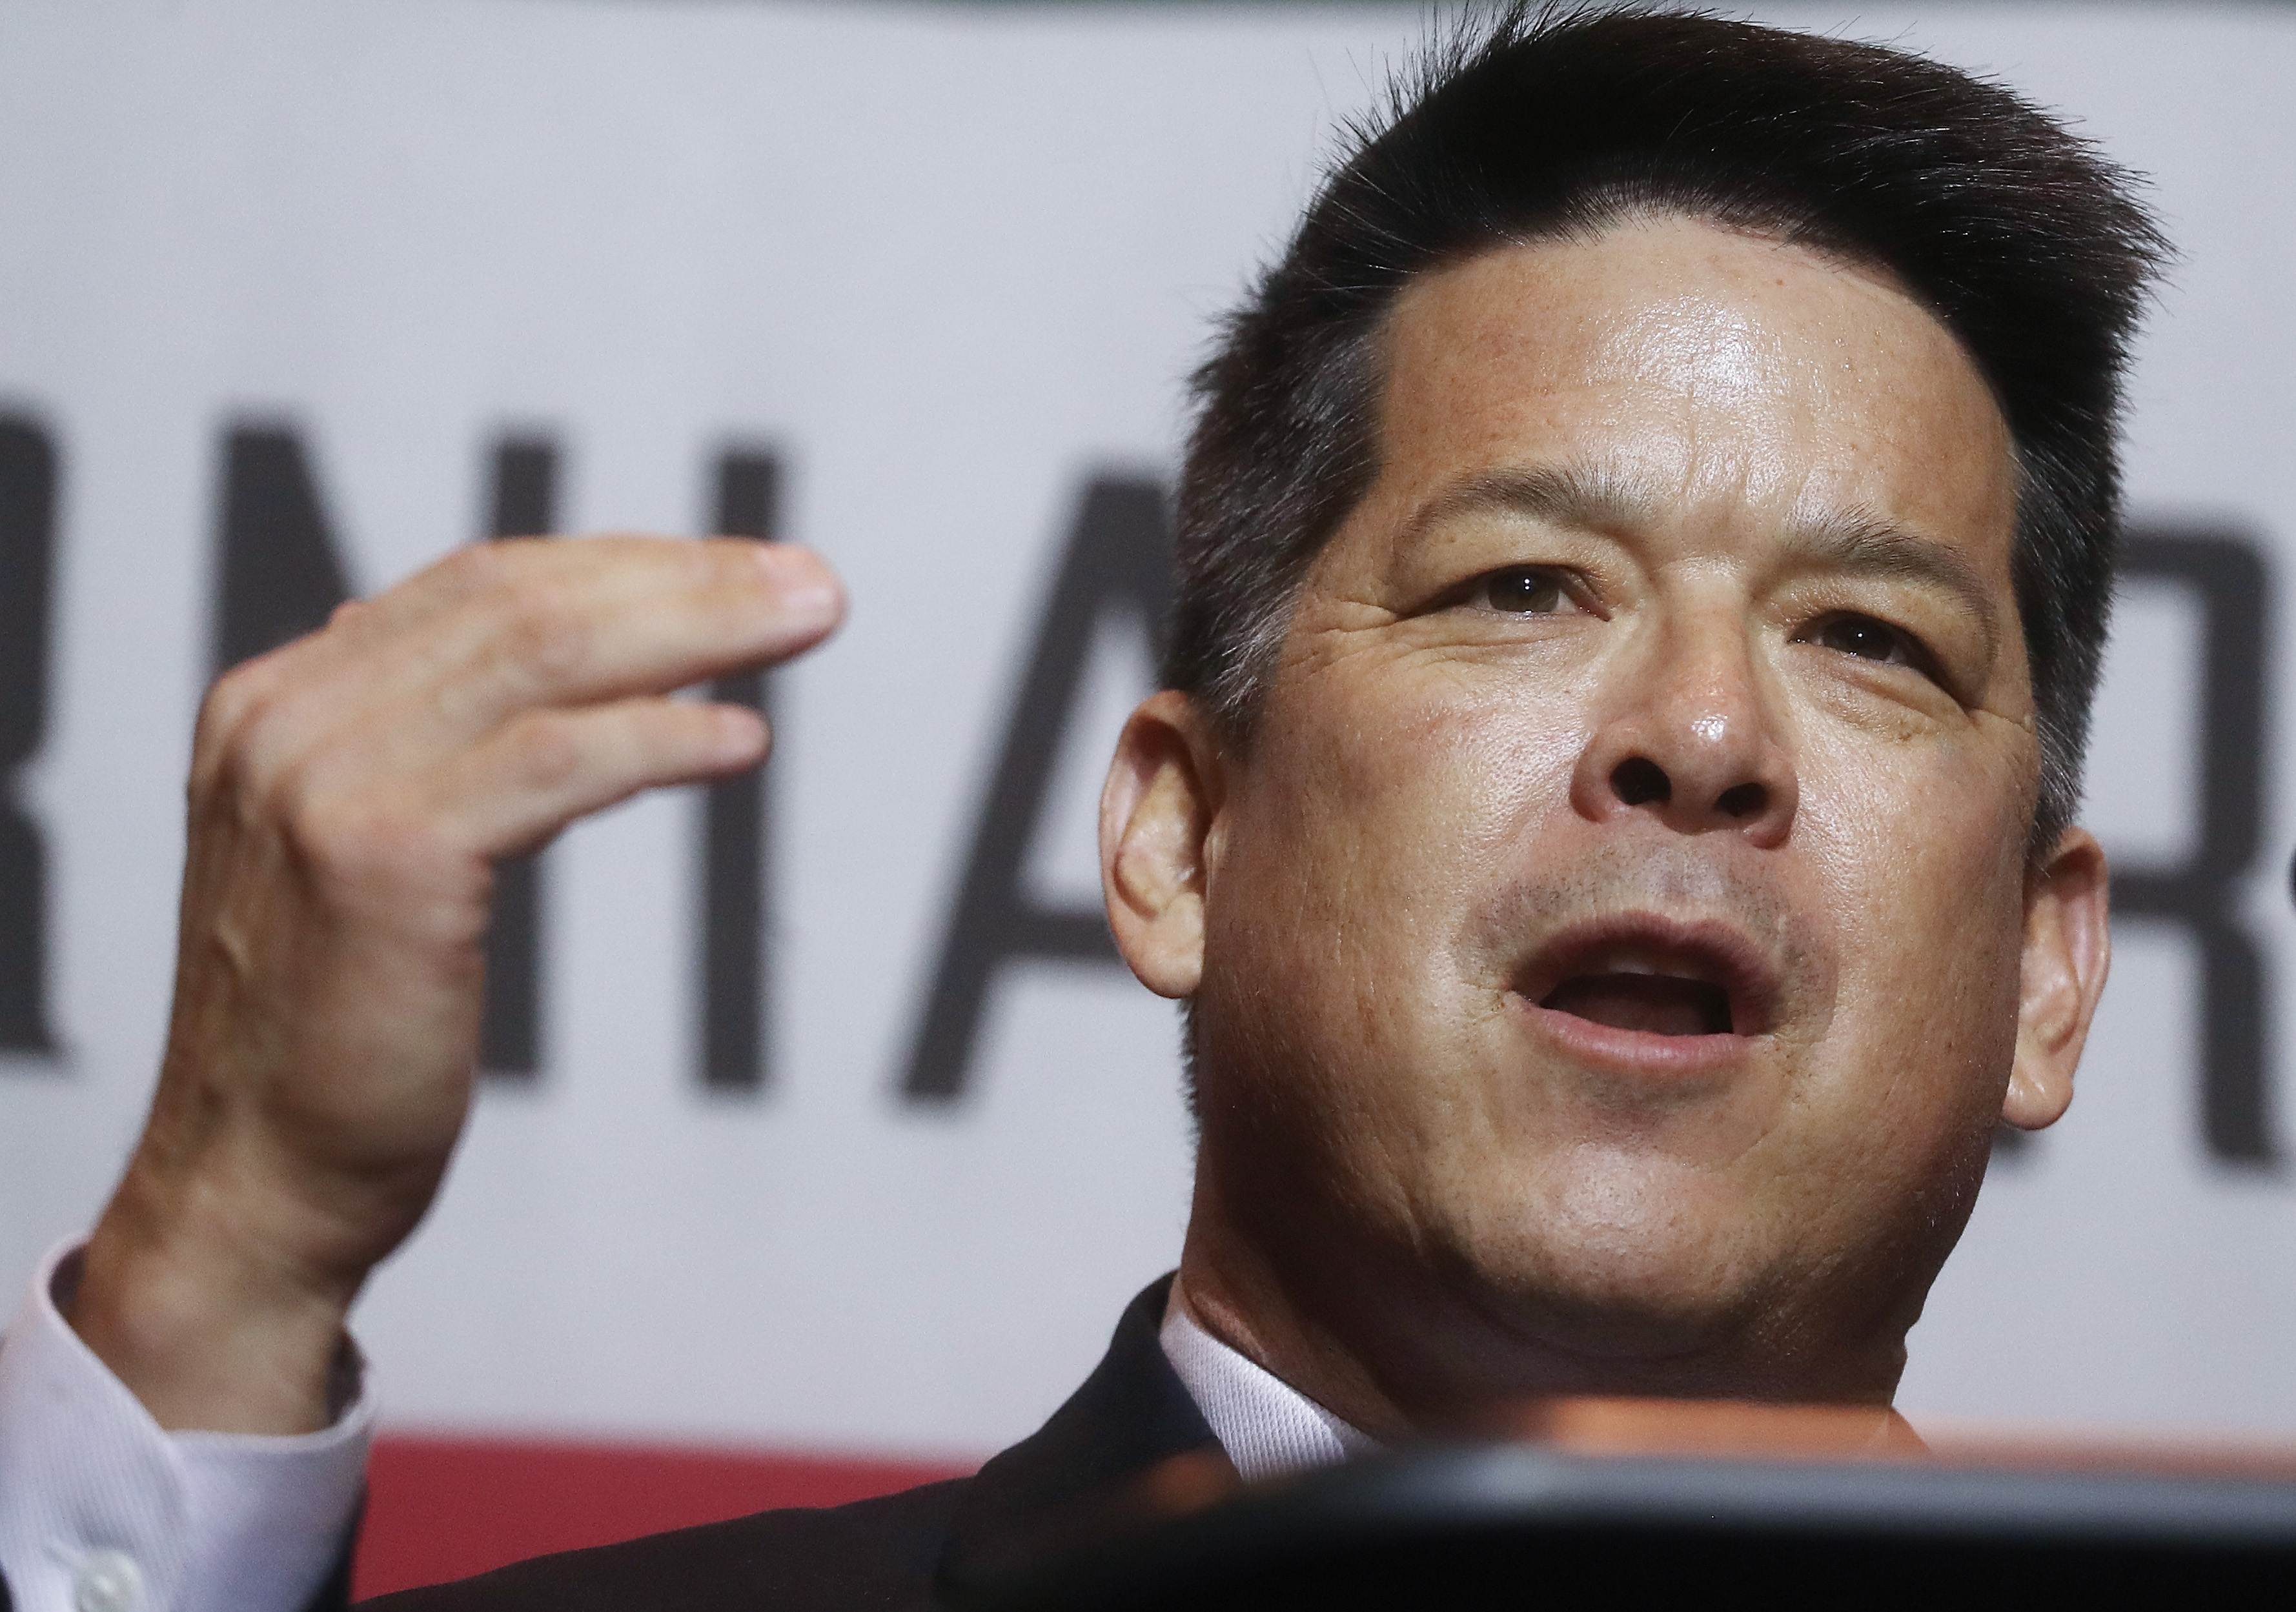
(1082, 1472)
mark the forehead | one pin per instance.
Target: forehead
(1720, 377)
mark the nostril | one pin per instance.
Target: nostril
(1638, 781)
(1744, 800)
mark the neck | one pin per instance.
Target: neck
(1227, 1289)
(1394, 1349)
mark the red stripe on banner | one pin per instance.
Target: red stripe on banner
(446, 1508)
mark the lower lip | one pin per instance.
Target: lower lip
(1640, 1051)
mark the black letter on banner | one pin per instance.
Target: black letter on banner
(2226, 574)
(736, 895)
(27, 517)
(1119, 564)
(523, 502)
(278, 575)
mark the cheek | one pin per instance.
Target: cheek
(1407, 788)
(1920, 852)
(1378, 805)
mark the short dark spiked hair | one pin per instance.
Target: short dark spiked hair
(1547, 122)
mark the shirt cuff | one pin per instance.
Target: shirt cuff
(103, 1510)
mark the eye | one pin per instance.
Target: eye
(1871, 640)
(1522, 590)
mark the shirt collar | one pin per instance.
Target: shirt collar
(1267, 1427)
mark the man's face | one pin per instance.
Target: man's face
(1612, 932)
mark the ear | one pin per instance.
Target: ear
(2068, 947)
(1157, 812)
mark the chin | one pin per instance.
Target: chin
(1629, 1265)
(1653, 1304)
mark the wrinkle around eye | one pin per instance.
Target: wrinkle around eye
(1349, 627)
(1357, 636)
(1851, 684)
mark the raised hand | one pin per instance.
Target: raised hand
(349, 793)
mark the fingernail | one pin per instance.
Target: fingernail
(741, 733)
(802, 586)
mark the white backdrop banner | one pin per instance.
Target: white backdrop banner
(296, 295)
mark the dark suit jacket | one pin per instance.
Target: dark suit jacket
(911, 1551)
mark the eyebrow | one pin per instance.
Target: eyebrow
(1852, 541)
(1566, 495)
(1597, 500)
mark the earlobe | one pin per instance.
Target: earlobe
(2067, 949)
(1156, 815)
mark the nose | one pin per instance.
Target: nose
(1686, 735)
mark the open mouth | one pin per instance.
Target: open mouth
(1657, 1004)
(1655, 977)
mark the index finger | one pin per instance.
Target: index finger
(528, 622)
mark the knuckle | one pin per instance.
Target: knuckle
(733, 562)
(224, 712)
(230, 734)
(544, 635)
(725, 590)
(478, 567)
(312, 826)
(547, 750)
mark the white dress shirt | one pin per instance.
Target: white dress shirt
(103, 1510)
(1267, 1427)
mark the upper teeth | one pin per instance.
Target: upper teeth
(1635, 960)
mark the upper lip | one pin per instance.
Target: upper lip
(1712, 950)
